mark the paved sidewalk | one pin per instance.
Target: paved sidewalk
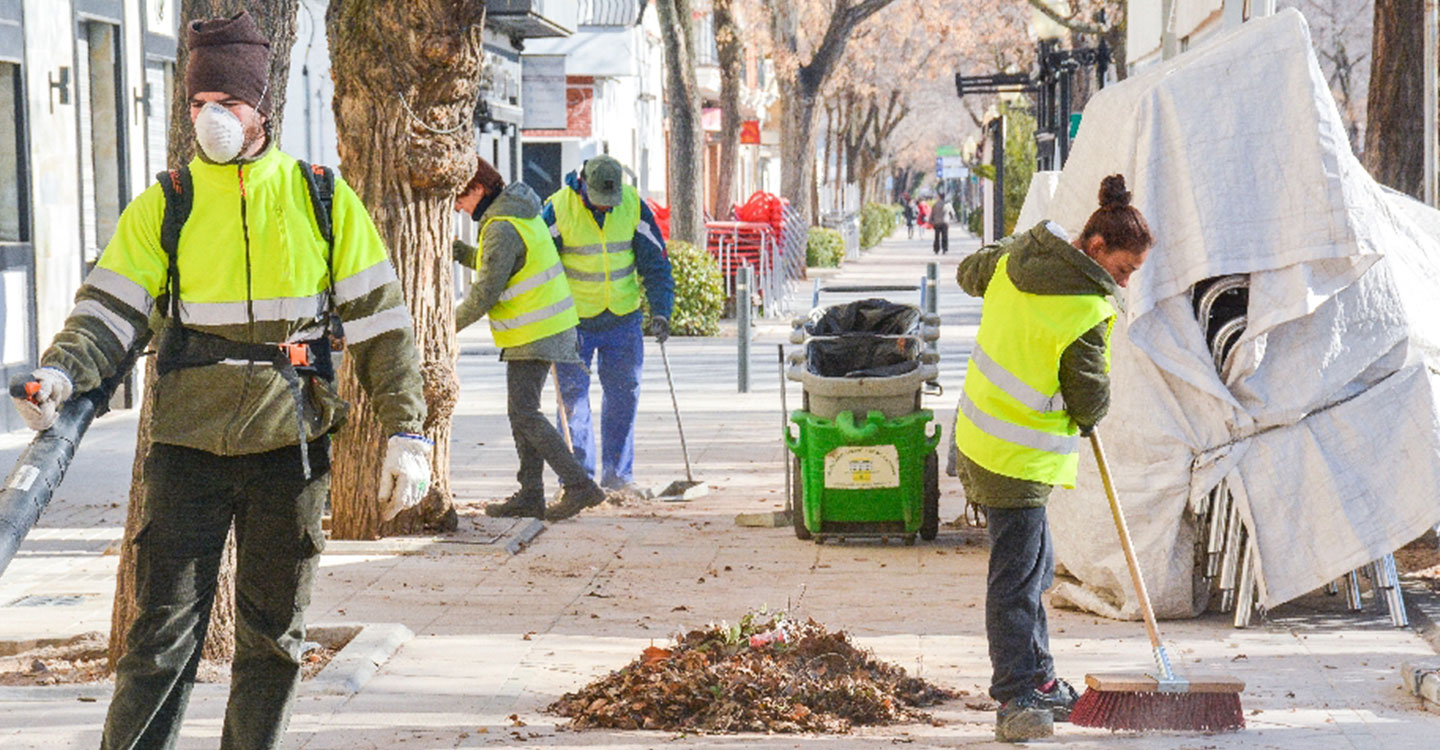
(592, 592)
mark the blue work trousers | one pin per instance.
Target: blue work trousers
(620, 351)
(1022, 567)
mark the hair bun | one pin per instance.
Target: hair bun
(1113, 193)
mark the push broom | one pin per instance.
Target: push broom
(1139, 701)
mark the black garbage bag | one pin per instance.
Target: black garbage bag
(863, 355)
(866, 316)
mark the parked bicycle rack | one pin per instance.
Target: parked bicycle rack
(1228, 558)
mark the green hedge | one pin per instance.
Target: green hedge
(877, 221)
(824, 248)
(699, 291)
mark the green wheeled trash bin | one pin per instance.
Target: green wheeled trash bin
(865, 460)
(876, 478)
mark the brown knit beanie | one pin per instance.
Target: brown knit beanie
(485, 176)
(232, 56)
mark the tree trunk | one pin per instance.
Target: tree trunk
(277, 20)
(682, 104)
(1394, 128)
(406, 80)
(729, 49)
(797, 148)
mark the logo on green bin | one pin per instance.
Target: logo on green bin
(862, 467)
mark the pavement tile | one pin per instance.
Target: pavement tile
(592, 592)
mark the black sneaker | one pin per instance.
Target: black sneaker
(573, 501)
(517, 506)
(1060, 699)
(1023, 718)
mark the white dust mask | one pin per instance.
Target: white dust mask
(219, 133)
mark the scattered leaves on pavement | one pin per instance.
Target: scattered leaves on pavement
(714, 680)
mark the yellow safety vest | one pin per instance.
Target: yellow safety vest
(536, 302)
(599, 262)
(1012, 418)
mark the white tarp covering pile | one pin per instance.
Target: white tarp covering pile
(1325, 423)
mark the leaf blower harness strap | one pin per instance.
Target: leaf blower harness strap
(183, 347)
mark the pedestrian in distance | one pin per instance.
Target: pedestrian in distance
(522, 287)
(1037, 377)
(246, 398)
(940, 220)
(908, 207)
(922, 216)
(609, 244)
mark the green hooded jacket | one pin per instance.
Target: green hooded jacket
(1042, 263)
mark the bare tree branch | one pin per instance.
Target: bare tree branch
(1068, 22)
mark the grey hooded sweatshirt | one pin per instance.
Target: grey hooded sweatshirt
(502, 255)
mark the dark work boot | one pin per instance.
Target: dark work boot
(1023, 718)
(518, 505)
(1060, 698)
(573, 500)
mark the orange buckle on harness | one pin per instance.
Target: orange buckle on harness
(299, 354)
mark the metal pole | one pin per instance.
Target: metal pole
(743, 284)
(784, 424)
(1062, 130)
(932, 303)
(998, 157)
(1432, 122)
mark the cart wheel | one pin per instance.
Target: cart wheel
(797, 503)
(909, 540)
(884, 541)
(930, 519)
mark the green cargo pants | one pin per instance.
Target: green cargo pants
(192, 497)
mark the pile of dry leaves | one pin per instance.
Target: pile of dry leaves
(748, 678)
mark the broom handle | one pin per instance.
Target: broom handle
(1150, 627)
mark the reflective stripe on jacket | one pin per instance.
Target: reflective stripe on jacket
(536, 302)
(1012, 419)
(253, 268)
(599, 261)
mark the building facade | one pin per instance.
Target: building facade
(85, 94)
(608, 75)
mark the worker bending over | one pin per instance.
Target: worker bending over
(522, 287)
(1038, 376)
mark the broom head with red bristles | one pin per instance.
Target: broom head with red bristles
(1135, 702)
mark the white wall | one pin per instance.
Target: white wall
(54, 177)
(310, 138)
(134, 36)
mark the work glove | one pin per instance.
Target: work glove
(40, 409)
(659, 328)
(405, 473)
(463, 253)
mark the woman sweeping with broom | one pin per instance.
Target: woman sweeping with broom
(1039, 374)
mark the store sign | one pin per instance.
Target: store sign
(951, 167)
(542, 91)
(750, 132)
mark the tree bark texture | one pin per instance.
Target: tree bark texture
(406, 80)
(687, 139)
(276, 19)
(729, 49)
(1395, 127)
(800, 87)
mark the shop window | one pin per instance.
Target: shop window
(102, 137)
(14, 186)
